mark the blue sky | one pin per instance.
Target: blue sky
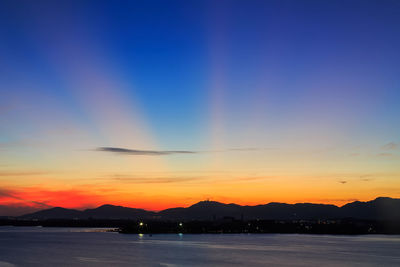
(165, 51)
(296, 76)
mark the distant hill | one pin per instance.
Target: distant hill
(117, 212)
(382, 208)
(102, 212)
(53, 213)
(204, 210)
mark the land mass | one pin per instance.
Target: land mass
(381, 215)
(381, 208)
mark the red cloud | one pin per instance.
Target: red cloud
(38, 198)
(20, 201)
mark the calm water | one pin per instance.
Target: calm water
(35, 246)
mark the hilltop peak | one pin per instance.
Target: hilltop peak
(379, 208)
(384, 199)
(108, 206)
(206, 203)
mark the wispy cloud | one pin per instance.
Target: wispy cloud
(4, 193)
(244, 149)
(391, 146)
(21, 173)
(154, 180)
(384, 154)
(126, 151)
(343, 182)
(43, 198)
(140, 152)
(366, 178)
(250, 178)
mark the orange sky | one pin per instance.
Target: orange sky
(235, 101)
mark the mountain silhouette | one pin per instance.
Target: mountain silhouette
(382, 208)
(102, 212)
(116, 212)
(203, 210)
(53, 213)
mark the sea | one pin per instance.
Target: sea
(42, 246)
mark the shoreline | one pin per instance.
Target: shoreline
(314, 227)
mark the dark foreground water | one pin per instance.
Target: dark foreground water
(35, 246)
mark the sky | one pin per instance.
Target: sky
(159, 104)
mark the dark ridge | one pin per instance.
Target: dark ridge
(116, 212)
(53, 213)
(382, 208)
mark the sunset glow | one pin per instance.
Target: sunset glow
(159, 106)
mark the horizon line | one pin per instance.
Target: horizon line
(207, 200)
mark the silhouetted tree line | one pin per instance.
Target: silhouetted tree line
(227, 226)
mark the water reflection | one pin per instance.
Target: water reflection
(24, 246)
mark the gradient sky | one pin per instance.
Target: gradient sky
(157, 104)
